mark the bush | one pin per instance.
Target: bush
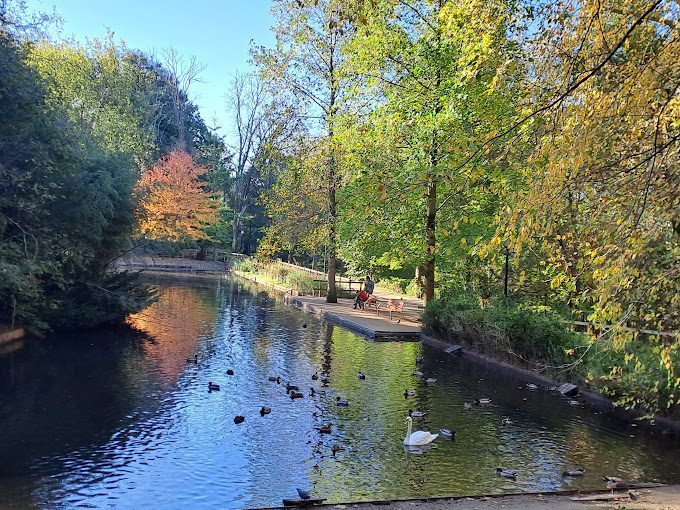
(300, 282)
(532, 333)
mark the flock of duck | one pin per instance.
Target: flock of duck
(413, 438)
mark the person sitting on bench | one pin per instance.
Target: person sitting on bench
(360, 299)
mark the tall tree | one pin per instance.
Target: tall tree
(307, 60)
(437, 96)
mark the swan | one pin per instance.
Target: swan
(419, 437)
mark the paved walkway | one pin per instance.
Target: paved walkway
(366, 322)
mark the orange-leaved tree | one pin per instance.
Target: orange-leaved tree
(173, 203)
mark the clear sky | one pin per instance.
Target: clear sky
(216, 32)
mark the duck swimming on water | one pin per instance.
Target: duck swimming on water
(506, 474)
(213, 387)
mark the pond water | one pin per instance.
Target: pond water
(117, 418)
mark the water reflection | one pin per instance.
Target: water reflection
(115, 417)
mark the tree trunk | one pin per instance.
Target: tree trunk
(430, 222)
(236, 235)
(332, 295)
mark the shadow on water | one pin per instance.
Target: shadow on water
(117, 417)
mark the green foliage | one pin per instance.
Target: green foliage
(65, 209)
(530, 333)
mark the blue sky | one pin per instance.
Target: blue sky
(216, 32)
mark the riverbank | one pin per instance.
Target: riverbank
(659, 498)
(343, 316)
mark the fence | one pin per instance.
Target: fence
(603, 328)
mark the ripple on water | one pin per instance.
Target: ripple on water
(144, 431)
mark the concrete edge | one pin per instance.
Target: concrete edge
(565, 492)
(593, 400)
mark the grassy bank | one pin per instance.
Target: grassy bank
(277, 274)
(538, 338)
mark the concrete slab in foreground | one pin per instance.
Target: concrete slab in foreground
(365, 322)
(661, 498)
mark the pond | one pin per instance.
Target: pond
(117, 417)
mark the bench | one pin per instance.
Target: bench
(395, 306)
(391, 305)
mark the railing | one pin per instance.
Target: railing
(591, 326)
(343, 284)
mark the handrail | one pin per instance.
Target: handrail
(624, 328)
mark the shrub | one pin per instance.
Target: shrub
(300, 281)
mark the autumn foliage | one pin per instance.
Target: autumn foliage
(174, 204)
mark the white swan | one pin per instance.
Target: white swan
(419, 437)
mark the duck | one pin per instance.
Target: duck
(575, 403)
(419, 360)
(506, 421)
(416, 414)
(290, 387)
(336, 448)
(532, 387)
(417, 373)
(341, 402)
(304, 325)
(312, 392)
(361, 376)
(447, 432)
(239, 419)
(467, 405)
(613, 479)
(482, 401)
(193, 360)
(275, 378)
(265, 410)
(419, 437)
(409, 393)
(315, 376)
(303, 494)
(430, 380)
(230, 371)
(574, 472)
(213, 387)
(295, 395)
(326, 428)
(506, 474)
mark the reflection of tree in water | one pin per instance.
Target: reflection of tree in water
(69, 390)
(177, 321)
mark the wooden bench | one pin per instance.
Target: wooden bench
(391, 305)
(395, 306)
(372, 301)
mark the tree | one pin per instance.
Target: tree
(65, 209)
(307, 61)
(435, 94)
(173, 202)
